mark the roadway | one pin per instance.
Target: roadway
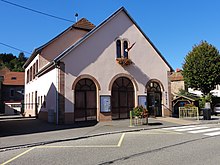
(192, 144)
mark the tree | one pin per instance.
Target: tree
(12, 62)
(201, 68)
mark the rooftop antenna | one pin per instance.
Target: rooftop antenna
(76, 15)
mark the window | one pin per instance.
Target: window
(26, 107)
(34, 71)
(44, 103)
(32, 99)
(29, 99)
(31, 73)
(36, 66)
(28, 76)
(39, 100)
(125, 44)
(118, 48)
(122, 49)
(12, 92)
(13, 78)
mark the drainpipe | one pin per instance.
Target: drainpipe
(57, 85)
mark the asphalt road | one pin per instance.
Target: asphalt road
(157, 146)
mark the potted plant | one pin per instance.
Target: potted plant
(139, 112)
(124, 61)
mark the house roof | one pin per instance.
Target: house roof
(176, 76)
(185, 97)
(14, 78)
(58, 58)
(82, 24)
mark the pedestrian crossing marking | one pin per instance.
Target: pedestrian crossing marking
(189, 129)
(212, 133)
(207, 131)
(173, 128)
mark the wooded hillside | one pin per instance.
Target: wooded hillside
(12, 62)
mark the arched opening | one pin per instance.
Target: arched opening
(154, 99)
(118, 48)
(85, 100)
(125, 49)
(122, 98)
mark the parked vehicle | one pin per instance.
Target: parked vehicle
(217, 108)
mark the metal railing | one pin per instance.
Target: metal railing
(189, 112)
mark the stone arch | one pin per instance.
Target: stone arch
(89, 77)
(154, 89)
(157, 81)
(123, 75)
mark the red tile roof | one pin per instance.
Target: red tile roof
(84, 24)
(176, 76)
(14, 78)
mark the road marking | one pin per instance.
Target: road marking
(213, 133)
(173, 128)
(23, 153)
(205, 130)
(121, 139)
(155, 132)
(189, 129)
(196, 129)
(169, 132)
(88, 146)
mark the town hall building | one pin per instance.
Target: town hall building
(98, 73)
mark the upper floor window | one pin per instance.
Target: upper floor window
(125, 48)
(122, 48)
(28, 75)
(37, 66)
(31, 73)
(118, 48)
(34, 71)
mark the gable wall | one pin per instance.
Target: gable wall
(96, 56)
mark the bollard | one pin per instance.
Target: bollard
(131, 122)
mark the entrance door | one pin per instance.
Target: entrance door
(154, 99)
(122, 98)
(85, 101)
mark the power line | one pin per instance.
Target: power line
(14, 48)
(36, 11)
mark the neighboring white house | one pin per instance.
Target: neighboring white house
(97, 73)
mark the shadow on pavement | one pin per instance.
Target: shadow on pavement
(22, 126)
(155, 124)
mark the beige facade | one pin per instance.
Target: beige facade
(177, 82)
(102, 75)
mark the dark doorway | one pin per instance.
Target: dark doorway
(122, 98)
(85, 101)
(154, 99)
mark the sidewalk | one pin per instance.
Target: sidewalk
(20, 132)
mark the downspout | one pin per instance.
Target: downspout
(57, 85)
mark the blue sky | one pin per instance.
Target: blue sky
(174, 26)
